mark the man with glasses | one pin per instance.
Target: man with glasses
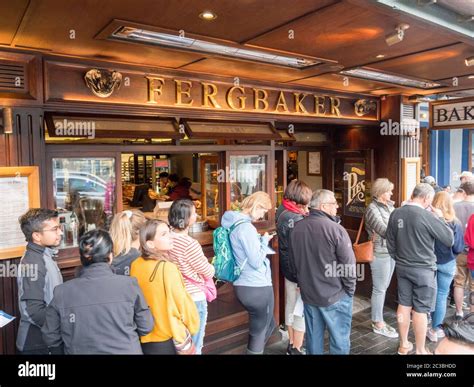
(42, 233)
(326, 274)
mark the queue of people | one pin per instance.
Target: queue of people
(151, 282)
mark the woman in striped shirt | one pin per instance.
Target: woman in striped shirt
(187, 254)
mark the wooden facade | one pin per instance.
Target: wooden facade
(54, 84)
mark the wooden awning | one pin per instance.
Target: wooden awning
(232, 130)
(90, 126)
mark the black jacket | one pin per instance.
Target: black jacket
(324, 259)
(98, 313)
(123, 262)
(286, 221)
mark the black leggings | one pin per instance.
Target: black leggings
(159, 348)
(259, 302)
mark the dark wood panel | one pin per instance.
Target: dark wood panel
(337, 33)
(9, 304)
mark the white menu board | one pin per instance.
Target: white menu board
(14, 202)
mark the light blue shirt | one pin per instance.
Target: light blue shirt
(250, 251)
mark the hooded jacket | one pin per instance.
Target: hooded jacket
(250, 250)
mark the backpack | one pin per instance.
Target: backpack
(225, 264)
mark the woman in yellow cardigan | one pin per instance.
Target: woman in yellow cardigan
(175, 313)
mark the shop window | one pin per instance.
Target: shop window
(247, 176)
(84, 193)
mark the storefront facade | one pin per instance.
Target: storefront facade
(68, 109)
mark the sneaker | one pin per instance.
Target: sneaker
(440, 333)
(458, 317)
(386, 330)
(295, 351)
(405, 350)
(452, 304)
(288, 349)
(432, 335)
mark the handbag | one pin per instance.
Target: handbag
(364, 252)
(208, 288)
(187, 347)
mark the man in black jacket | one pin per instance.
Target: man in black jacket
(38, 276)
(411, 235)
(326, 273)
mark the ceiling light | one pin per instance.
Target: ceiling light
(208, 15)
(380, 56)
(207, 47)
(398, 35)
(374, 75)
(469, 61)
(471, 76)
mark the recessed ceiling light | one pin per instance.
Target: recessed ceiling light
(374, 75)
(208, 15)
(471, 76)
(380, 56)
(208, 47)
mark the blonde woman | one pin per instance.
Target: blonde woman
(376, 222)
(124, 232)
(445, 263)
(254, 287)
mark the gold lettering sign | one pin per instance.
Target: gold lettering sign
(260, 100)
(241, 99)
(281, 102)
(155, 86)
(209, 96)
(227, 97)
(180, 93)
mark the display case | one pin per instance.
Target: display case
(209, 188)
(84, 194)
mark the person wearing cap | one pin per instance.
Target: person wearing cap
(431, 181)
(465, 176)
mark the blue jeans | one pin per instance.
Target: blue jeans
(337, 318)
(444, 277)
(198, 338)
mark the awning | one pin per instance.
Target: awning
(90, 126)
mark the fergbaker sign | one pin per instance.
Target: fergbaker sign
(456, 113)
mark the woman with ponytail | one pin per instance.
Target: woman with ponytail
(98, 312)
(124, 231)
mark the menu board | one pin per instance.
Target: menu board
(410, 176)
(15, 202)
(19, 191)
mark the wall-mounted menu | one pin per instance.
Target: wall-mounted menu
(14, 202)
(19, 191)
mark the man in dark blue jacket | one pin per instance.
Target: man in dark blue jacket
(326, 273)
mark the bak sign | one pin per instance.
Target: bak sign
(456, 113)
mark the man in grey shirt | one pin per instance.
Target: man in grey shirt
(411, 235)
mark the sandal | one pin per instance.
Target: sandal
(405, 350)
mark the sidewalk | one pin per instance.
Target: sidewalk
(363, 340)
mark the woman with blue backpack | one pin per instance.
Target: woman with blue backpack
(253, 288)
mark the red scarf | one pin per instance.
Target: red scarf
(292, 207)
